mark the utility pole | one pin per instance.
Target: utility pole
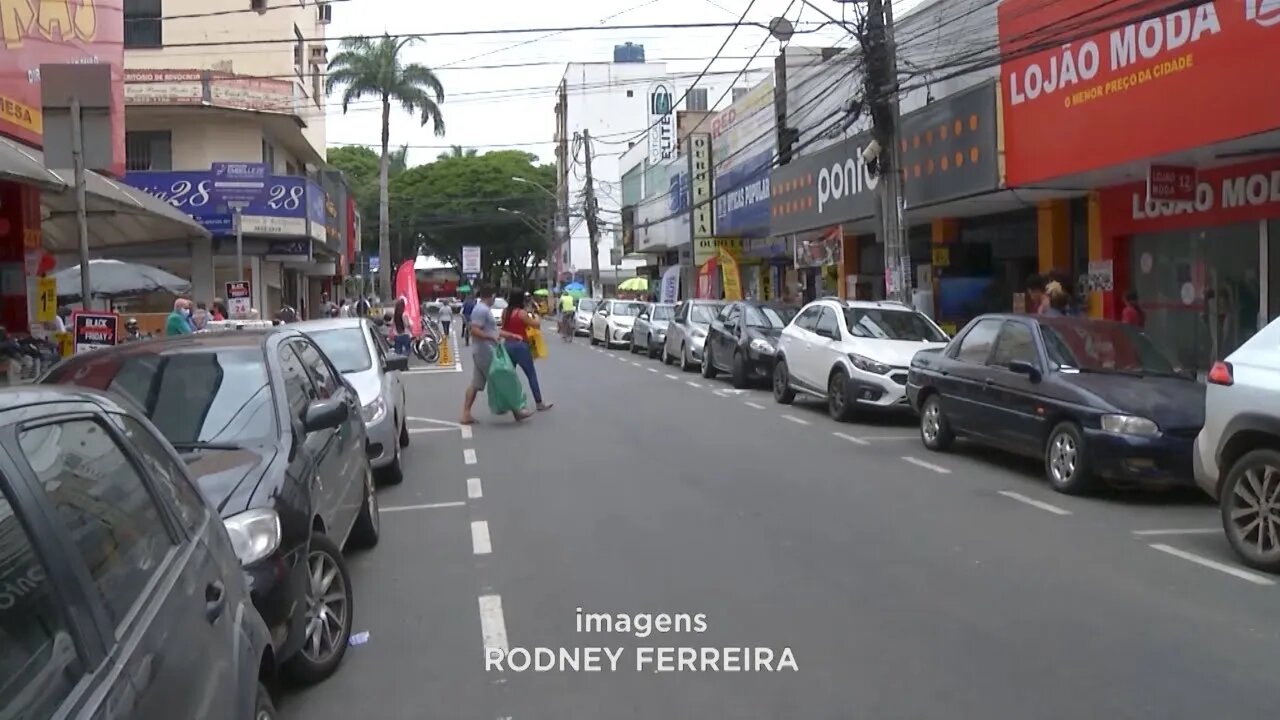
(882, 93)
(590, 209)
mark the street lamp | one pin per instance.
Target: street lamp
(533, 225)
(561, 226)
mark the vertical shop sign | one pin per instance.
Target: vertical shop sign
(662, 124)
(94, 330)
(703, 211)
(732, 278)
(46, 299)
(239, 299)
(670, 284)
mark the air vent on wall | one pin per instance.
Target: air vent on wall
(324, 12)
(258, 5)
(319, 54)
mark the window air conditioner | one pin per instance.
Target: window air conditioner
(319, 54)
(258, 5)
(324, 13)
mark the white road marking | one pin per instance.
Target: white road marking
(469, 456)
(425, 506)
(474, 490)
(757, 406)
(796, 420)
(427, 430)
(492, 624)
(480, 542)
(672, 377)
(850, 438)
(1034, 503)
(890, 437)
(926, 465)
(653, 370)
(1186, 531)
(433, 421)
(691, 383)
(1214, 565)
(466, 432)
(637, 364)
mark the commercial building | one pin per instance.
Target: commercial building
(191, 103)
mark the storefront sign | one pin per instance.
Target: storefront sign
(317, 221)
(280, 211)
(470, 260)
(239, 299)
(333, 224)
(662, 124)
(949, 147)
(51, 32)
(239, 184)
(701, 211)
(353, 231)
(1100, 278)
(828, 187)
(94, 330)
(1144, 85)
(46, 299)
(730, 275)
(1175, 183)
(742, 196)
(210, 89)
(1224, 196)
(288, 251)
(743, 144)
(820, 251)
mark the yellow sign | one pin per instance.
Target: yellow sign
(941, 256)
(46, 299)
(766, 283)
(66, 343)
(732, 279)
(704, 248)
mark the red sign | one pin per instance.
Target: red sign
(1223, 196)
(407, 289)
(94, 330)
(36, 32)
(1143, 84)
(353, 230)
(1176, 183)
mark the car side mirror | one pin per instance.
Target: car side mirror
(643, 316)
(1022, 367)
(395, 363)
(324, 415)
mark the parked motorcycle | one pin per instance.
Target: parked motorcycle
(427, 345)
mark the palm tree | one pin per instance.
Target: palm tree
(374, 67)
(457, 151)
(399, 161)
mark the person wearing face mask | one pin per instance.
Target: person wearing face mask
(179, 321)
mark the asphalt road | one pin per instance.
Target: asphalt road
(906, 584)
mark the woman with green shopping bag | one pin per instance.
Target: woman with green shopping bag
(491, 363)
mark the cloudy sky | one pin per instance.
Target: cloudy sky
(500, 89)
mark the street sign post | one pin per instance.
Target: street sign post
(239, 296)
(470, 260)
(237, 185)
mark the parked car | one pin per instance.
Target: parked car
(1094, 399)
(611, 325)
(373, 370)
(123, 595)
(583, 314)
(1237, 453)
(743, 341)
(274, 437)
(650, 329)
(687, 332)
(853, 353)
(497, 308)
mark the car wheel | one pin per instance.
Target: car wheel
(685, 363)
(708, 368)
(1250, 501)
(263, 708)
(650, 351)
(666, 356)
(739, 375)
(631, 346)
(404, 434)
(1066, 460)
(393, 474)
(591, 336)
(327, 612)
(838, 404)
(935, 430)
(368, 527)
(782, 391)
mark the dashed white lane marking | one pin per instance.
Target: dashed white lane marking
(672, 377)
(757, 406)
(480, 542)
(1185, 531)
(653, 370)
(466, 432)
(424, 506)
(926, 465)
(796, 420)
(474, 491)
(493, 626)
(415, 431)
(691, 383)
(1214, 565)
(433, 421)
(850, 438)
(1034, 503)
(469, 456)
(637, 364)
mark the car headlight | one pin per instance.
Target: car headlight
(1129, 425)
(866, 364)
(762, 346)
(373, 410)
(255, 534)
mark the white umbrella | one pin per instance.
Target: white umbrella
(115, 279)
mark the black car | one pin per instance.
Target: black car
(743, 341)
(274, 437)
(1093, 398)
(121, 595)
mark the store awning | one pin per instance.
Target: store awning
(21, 164)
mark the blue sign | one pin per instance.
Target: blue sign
(742, 198)
(317, 220)
(239, 183)
(280, 210)
(678, 193)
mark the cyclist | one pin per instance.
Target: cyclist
(567, 307)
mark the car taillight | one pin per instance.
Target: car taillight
(1221, 374)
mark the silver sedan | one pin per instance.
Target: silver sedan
(687, 332)
(358, 352)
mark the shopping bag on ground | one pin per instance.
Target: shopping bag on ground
(537, 344)
(504, 390)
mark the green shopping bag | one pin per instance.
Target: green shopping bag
(504, 390)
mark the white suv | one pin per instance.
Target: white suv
(1237, 453)
(853, 353)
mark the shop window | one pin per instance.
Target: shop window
(148, 150)
(143, 24)
(739, 93)
(697, 100)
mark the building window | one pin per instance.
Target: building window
(269, 154)
(738, 93)
(317, 85)
(142, 24)
(291, 169)
(148, 150)
(298, 51)
(697, 100)
(631, 93)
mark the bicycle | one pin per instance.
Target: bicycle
(427, 345)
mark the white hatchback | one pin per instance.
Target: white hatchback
(612, 323)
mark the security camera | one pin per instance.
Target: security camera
(871, 152)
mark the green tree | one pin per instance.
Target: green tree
(360, 165)
(457, 151)
(369, 67)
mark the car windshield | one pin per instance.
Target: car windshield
(663, 312)
(206, 397)
(628, 309)
(499, 304)
(703, 314)
(586, 305)
(1104, 347)
(891, 325)
(346, 347)
(765, 317)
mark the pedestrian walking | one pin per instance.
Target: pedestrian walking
(487, 336)
(446, 317)
(400, 325)
(516, 320)
(467, 308)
